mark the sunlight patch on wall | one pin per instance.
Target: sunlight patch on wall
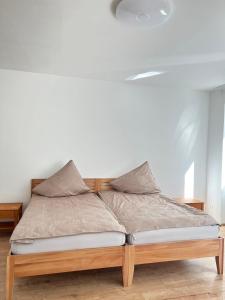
(188, 128)
(189, 181)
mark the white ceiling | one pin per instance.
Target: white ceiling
(83, 38)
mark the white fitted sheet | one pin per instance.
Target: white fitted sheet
(173, 234)
(80, 241)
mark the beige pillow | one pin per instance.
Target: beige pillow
(66, 182)
(137, 181)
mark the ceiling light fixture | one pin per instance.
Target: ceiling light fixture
(145, 75)
(148, 13)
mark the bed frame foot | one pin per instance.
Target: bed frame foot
(219, 258)
(9, 277)
(128, 265)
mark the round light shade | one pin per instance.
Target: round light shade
(149, 13)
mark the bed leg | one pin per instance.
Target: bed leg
(219, 258)
(128, 265)
(9, 277)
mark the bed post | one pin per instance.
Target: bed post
(128, 265)
(219, 258)
(9, 277)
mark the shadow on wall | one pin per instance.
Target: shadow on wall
(186, 141)
(223, 179)
(223, 166)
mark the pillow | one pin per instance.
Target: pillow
(137, 181)
(66, 182)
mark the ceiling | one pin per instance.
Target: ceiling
(82, 38)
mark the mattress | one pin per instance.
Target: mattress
(73, 242)
(173, 235)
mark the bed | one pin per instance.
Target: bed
(24, 263)
(160, 229)
(56, 252)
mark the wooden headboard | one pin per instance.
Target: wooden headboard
(95, 184)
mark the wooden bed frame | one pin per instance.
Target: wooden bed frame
(126, 256)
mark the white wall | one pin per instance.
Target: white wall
(215, 190)
(107, 128)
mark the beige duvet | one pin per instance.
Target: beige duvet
(53, 217)
(151, 212)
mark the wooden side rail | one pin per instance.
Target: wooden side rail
(65, 261)
(172, 251)
(125, 256)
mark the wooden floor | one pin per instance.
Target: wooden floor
(194, 279)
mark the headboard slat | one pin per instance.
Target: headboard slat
(95, 184)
